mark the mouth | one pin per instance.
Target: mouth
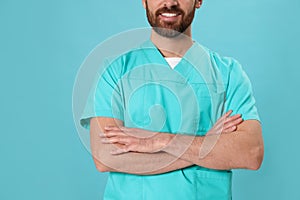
(169, 16)
(166, 14)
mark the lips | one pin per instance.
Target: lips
(169, 17)
(173, 12)
(167, 14)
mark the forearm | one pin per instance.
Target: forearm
(133, 163)
(138, 163)
(239, 149)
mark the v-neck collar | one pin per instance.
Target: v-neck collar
(196, 59)
(157, 57)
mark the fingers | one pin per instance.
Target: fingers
(112, 131)
(222, 120)
(225, 116)
(108, 134)
(230, 129)
(227, 119)
(118, 128)
(226, 123)
(120, 150)
(232, 118)
(119, 140)
(228, 113)
(232, 123)
(123, 143)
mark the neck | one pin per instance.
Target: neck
(173, 47)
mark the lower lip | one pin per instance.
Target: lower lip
(169, 19)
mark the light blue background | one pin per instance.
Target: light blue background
(43, 43)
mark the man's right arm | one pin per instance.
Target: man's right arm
(132, 163)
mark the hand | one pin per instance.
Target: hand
(134, 139)
(226, 124)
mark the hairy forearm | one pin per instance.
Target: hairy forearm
(133, 163)
(138, 163)
(239, 149)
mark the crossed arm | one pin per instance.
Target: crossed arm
(131, 162)
(136, 151)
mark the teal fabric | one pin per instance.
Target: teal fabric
(193, 183)
(140, 89)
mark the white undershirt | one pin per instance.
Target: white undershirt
(173, 61)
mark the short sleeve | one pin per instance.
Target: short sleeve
(105, 99)
(239, 97)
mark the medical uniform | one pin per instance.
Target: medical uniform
(141, 89)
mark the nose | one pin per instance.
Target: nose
(170, 3)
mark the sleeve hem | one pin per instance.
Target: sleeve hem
(85, 119)
(251, 117)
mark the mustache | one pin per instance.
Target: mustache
(171, 10)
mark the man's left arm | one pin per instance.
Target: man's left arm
(242, 148)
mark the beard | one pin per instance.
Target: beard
(170, 29)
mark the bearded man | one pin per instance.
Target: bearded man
(170, 118)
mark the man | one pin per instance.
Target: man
(156, 115)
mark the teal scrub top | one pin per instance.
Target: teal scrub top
(141, 89)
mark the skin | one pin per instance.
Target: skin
(138, 151)
(231, 144)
